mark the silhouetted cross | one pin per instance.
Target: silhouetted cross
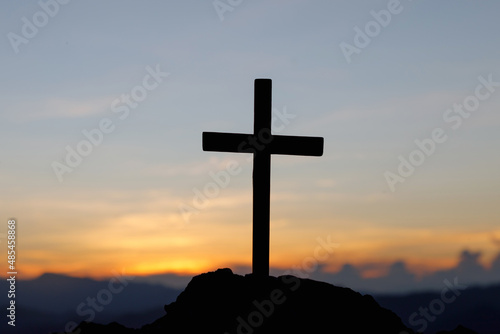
(262, 143)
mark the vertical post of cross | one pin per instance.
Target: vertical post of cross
(261, 178)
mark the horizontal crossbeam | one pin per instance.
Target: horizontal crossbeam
(224, 142)
(275, 144)
(297, 145)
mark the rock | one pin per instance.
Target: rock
(89, 327)
(226, 303)
(459, 330)
(222, 302)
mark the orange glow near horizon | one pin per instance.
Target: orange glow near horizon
(148, 242)
(186, 266)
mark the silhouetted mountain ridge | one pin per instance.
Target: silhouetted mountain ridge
(476, 307)
(223, 302)
(51, 301)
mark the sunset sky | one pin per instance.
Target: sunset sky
(405, 93)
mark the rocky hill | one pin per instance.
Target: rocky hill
(222, 302)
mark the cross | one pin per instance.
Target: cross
(262, 143)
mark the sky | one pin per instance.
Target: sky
(104, 104)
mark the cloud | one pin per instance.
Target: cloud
(196, 168)
(326, 183)
(407, 110)
(398, 278)
(495, 240)
(57, 107)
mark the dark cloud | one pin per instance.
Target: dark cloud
(468, 270)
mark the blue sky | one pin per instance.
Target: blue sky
(124, 197)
